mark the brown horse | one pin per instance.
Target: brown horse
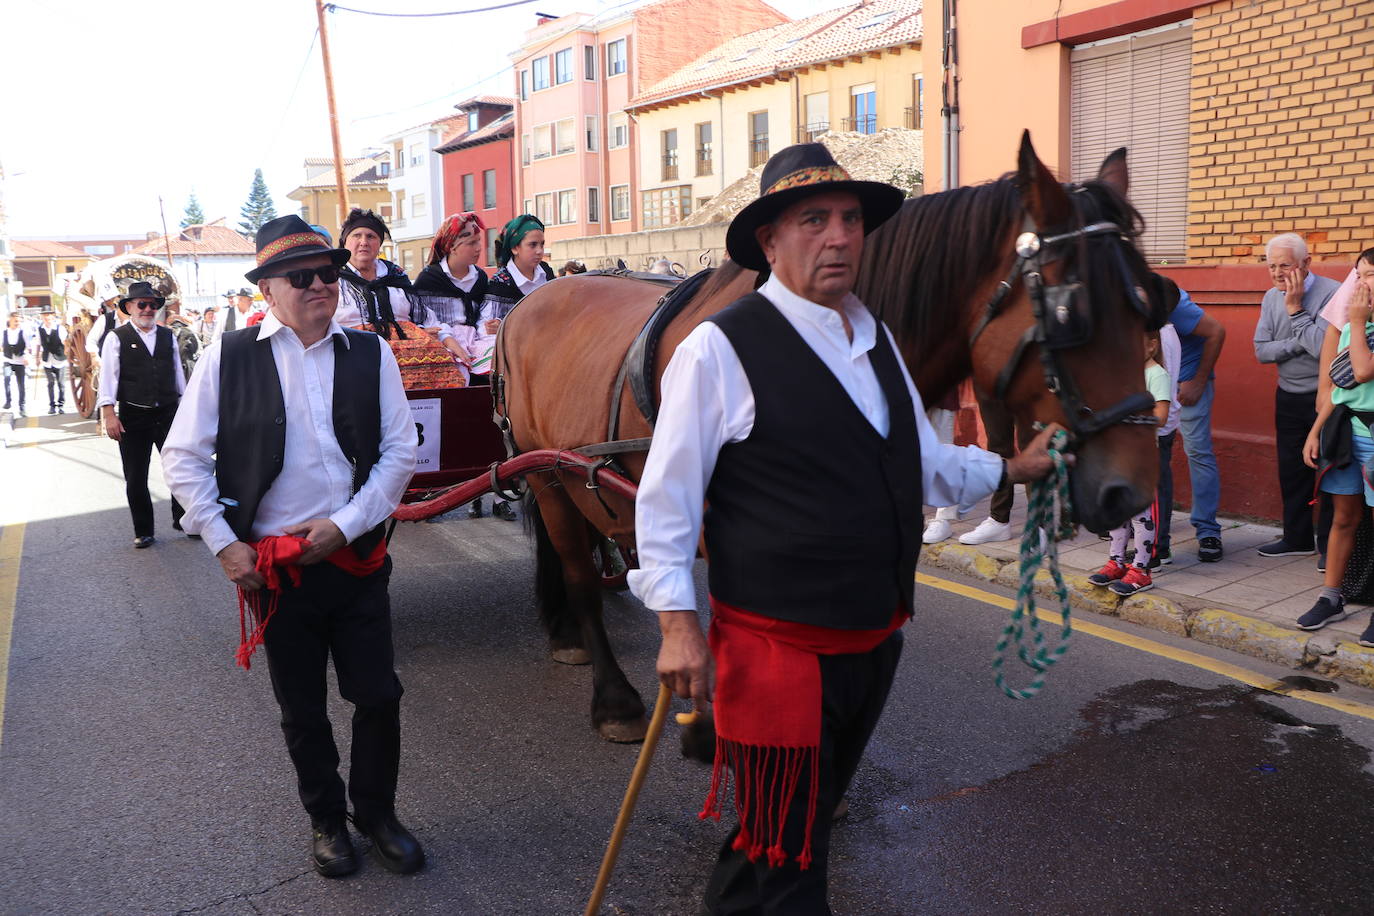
(932, 272)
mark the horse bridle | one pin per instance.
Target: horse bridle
(1060, 323)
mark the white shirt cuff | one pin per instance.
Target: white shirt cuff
(350, 521)
(218, 535)
(664, 588)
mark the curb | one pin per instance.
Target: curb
(1323, 654)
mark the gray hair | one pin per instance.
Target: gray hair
(1290, 240)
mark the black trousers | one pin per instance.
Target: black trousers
(1000, 427)
(1165, 492)
(18, 373)
(1294, 415)
(144, 428)
(854, 689)
(333, 613)
(57, 397)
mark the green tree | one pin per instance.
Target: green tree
(259, 208)
(194, 216)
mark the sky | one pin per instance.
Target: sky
(109, 105)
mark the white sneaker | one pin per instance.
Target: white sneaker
(988, 530)
(936, 531)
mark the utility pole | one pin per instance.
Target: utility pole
(166, 240)
(333, 114)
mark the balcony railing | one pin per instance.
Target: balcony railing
(810, 133)
(704, 162)
(863, 124)
(758, 151)
(670, 165)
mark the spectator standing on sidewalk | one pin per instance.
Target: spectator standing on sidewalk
(1290, 333)
(1001, 433)
(1339, 447)
(942, 420)
(1200, 338)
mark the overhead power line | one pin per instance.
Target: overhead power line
(335, 8)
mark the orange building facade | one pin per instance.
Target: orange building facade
(1242, 119)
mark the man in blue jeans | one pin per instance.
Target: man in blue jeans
(1200, 337)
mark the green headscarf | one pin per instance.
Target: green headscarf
(513, 234)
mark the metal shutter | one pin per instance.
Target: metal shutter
(1134, 93)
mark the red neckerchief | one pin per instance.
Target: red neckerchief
(768, 719)
(278, 554)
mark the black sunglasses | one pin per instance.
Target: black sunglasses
(301, 279)
(150, 306)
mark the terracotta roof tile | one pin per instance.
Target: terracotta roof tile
(827, 36)
(45, 249)
(502, 126)
(208, 239)
(362, 170)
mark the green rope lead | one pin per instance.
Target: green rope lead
(1047, 522)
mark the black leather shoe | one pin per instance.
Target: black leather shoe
(503, 510)
(393, 846)
(140, 543)
(331, 850)
(475, 509)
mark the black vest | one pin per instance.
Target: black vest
(231, 316)
(814, 518)
(107, 326)
(146, 379)
(250, 445)
(17, 348)
(51, 342)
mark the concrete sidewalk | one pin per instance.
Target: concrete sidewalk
(1245, 602)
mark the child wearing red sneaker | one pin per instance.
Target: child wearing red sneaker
(1116, 574)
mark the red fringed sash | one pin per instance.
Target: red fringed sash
(278, 554)
(768, 719)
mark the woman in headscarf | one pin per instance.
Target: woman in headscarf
(452, 286)
(375, 294)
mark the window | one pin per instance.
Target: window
(863, 112)
(615, 57)
(758, 138)
(468, 195)
(541, 73)
(592, 133)
(567, 206)
(703, 132)
(407, 260)
(525, 149)
(418, 206)
(109, 249)
(70, 269)
(398, 154)
(669, 147)
(417, 153)
(588, 62)
(619, 131)
(524, 85)
(665, 206)
(472, 120)
(543, 141)
(543, 208)
(620, 202)
(1149, 116)
(528, 208)
(915, 118)
(562, 67)
(384, 211)
(489, 189)
(593, 205)
(491, 244)
(566, 135)
(817, 117)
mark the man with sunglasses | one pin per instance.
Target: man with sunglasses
(293, 448)
(141, 372)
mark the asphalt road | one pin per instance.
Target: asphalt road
(140, 771)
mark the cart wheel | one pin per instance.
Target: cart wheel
(81, 373)
(614, 562)
(83, 393)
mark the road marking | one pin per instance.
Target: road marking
(11, 550)
(1225, 669)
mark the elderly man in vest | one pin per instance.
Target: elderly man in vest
(140, 371)
(294, 445)
(806, 609)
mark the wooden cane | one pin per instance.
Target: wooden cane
(627, 807)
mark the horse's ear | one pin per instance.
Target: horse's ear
(1114, 172)
(1044, 197)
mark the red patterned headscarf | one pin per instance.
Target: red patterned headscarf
(458, 226)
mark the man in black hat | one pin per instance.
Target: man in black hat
(52, 355)
(140, 370)
(806, 606)
(293, 448)
(239, 308)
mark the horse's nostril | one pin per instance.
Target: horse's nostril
(1117, 502)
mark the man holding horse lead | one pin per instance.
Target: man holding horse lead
(794, 398)
(293, 447)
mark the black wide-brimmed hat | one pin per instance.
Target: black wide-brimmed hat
(791, 174)
(141, 290)
(286, 239)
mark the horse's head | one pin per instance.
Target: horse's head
(1067, 342)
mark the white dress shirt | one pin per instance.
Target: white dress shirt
(348, 316)
(109, 364)
(12, 336)
(526, 285)
(51, 362)
(1172, 352)
(707, 403)
(315, 479)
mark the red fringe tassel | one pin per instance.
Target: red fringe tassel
(766, 781)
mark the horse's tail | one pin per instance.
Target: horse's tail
(550, 591)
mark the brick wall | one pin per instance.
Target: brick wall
(1282, 127)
